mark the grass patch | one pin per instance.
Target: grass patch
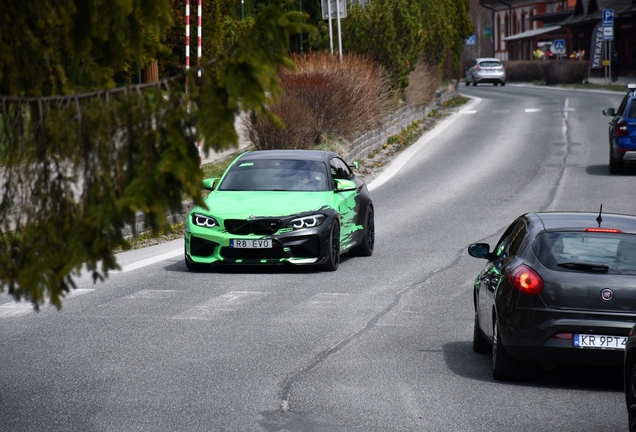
(145, 239)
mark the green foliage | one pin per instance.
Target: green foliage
(62, 46)
(446, 26)
(78, 168)
(389, 32)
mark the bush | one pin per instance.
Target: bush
(548, 71)
(324, 97)
(423, 82)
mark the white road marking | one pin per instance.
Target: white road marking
(17, 309)
(533, 110)
(207, 310)
(467, 111)
(152, 294)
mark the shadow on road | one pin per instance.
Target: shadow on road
(462, 360)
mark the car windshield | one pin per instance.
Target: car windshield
(490, 64)
(275, 175)
(587, 251)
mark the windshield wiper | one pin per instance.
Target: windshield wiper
(584, 267)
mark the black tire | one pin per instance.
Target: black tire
(503, 84)
(333, 259)
(368, 241)
(495, 84)
(467, 82)
(631, 400)
(475, 83)
(480, 344)
(615, 165)
(504, 367)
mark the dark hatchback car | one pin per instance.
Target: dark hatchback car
(622, 132)
(630, 378)
(558, 287)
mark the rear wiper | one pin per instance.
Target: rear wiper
(585, 267)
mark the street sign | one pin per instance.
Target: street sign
(608, 17)
(558, 47)
(608, 33)
(471, 40)
(334, 8)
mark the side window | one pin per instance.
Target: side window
(340, 170)
(502, 250)
(517, 238)
(621, 107)
(632, 109)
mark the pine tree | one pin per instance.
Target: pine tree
(80, 158)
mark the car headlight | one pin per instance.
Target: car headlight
(307, 221)
(204, 221)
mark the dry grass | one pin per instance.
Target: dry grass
(423, 82)
(324, 98)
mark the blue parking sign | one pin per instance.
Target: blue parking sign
(608, 17)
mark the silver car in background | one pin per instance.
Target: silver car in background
(486, 70)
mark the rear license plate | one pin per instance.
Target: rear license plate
(600, 341)
(251, 244)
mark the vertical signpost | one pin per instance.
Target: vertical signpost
(608, 37)
(334, 9)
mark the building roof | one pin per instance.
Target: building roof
(532, 33)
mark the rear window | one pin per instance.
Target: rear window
(567, 251)
(490, 64)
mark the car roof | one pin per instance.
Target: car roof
(579, 221)
(310, 155)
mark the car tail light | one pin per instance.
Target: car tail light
(604, 230)
(621, 129)
(477, 67)
(526, 280)
(566, 336)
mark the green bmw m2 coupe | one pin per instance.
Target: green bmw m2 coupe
(273, 207)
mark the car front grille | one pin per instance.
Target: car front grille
(257, 226)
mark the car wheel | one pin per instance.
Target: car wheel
(615, 165)
(333, 259)
(504, 367)
(480, 344)
(503, 84)
(467, 82)
(368, 240)
(631, 400)
(495, 84)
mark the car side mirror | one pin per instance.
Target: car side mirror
(344, 185)
(479, 250)
(354, 165)
(609, 112)
(210, 183)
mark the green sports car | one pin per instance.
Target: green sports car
(303, 207)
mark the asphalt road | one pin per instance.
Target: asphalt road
(383, 344)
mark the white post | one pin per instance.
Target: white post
(339, 33)
(330, 29)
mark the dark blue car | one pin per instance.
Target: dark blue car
(622, 132)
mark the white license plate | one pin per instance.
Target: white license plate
(600, 341)
(251, 244)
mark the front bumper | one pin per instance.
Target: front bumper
(307, 246)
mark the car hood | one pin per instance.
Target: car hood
(243, 205)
